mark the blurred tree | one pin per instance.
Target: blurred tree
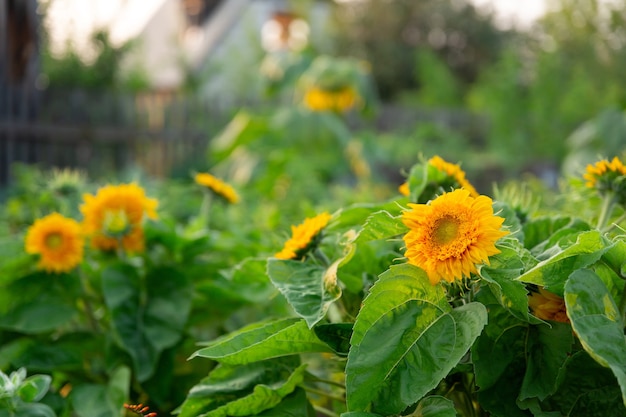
(388, 32)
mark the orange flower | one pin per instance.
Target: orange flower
(451, 234)
(303, 237)
(454, 171)
(547, 306)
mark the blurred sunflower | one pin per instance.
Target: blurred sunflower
(451, 234)
(304, 237)
(404, 189)
(116, 214)
(58, 242)
(455, 172)
(547, 306)
(217, 186)
(603, 173)
(339, 100)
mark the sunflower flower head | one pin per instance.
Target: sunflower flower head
(116, 214)
(450, 235)
(607, 177)
(455, 175)
(339, 100)
(218, 187)
(304, 237)
(58, 242)
(404, 189)
(547, 306)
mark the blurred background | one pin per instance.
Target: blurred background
(509, 88)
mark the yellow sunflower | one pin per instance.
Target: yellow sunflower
(454, 171)
(303, 236)
(116, 213)
(603, 172)
(449, 236)
(340, 100)
(58, 242)
(547, 306)
(218, 186)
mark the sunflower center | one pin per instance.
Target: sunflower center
(116, 223)
(54, 240)
(446, 230)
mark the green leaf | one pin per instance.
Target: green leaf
(146, 328)
(597, 322)
(336, 336)
(359, 414)
(405, 341)
(32, 410)
(435, 406)
(307, 287)
(501, 343)
(548, 348)
(500, 277)
(380, 225)
(295, 404)
(398, 284)
(34, 388)
(262, 341)
(552, 273)
(588, 389)
(95, 400)
(243, 390)
(545, 232)
(250, 281)
(41, 316)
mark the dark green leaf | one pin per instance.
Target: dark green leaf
(92, 400)
(548, 347)
(336, 336)
(32, 410)
(380, 225)
(295, 404)
(435, 406)
(44, 315)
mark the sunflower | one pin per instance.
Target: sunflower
(218, 187)
(449, 236)
(303, 237)
(58, 242)
(547, 306)
(115, 214)
(339, 100)
(455, 172)
(607, 176)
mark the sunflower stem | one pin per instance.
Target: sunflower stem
(91, 317)
(622, 305)
(325, 411)
(605, 212)
(323, 393)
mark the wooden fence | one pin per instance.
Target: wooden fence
(101, 133)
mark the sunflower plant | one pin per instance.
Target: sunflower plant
(439, 302)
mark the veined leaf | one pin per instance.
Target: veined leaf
(553, 272)
(435, 406)
(597, 322)
(308, 288)
(264, 341)
(243, 390)
(380, 225)
(405, 341)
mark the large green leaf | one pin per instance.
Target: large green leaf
(547, 348)
(243, 390)
(264, 341)
(308, 288)
(405, 342)
(597, 322)
(147, 320)
(545, 232)
(94, 400)
(295, 404)
(587, 389)
(44, 315)
(31, 410)
(552, 273)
